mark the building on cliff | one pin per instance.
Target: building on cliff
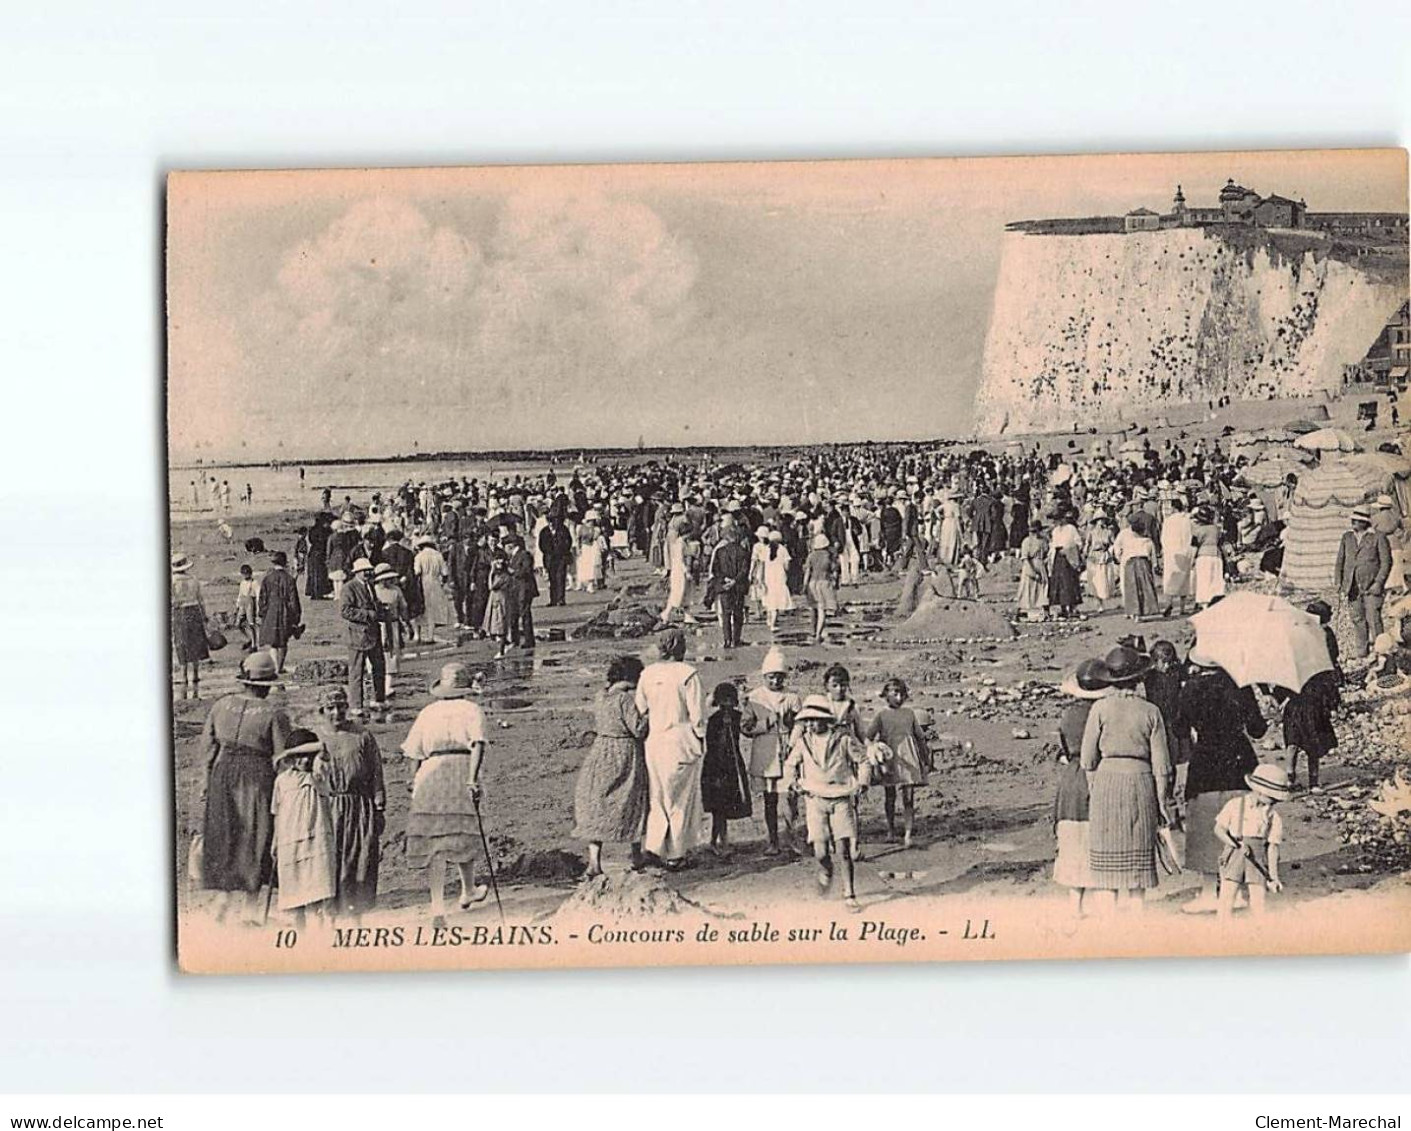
(1141, 220)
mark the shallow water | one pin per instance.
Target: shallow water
(280, 489)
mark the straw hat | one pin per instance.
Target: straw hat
(776, 536)
(456, 681)
(1384, 503)
(1384, 645)
(1270, 780)
(258, 669)
(1361, 514)
(761, 532)
(300, 741)
(774, 662)
(1087, 681)
(384, 572)
(180, 563)
(815, 708)
(424, 540)
(362, 565)
(331, 697)
(1124, 665)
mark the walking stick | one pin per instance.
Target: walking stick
(489, 860)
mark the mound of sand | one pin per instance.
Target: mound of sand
(917, 588)
(632, 895)
(941, 619)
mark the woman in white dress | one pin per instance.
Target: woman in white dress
(776, 579)
(678, 570)
(948, 543)
(669, 697)
(590, 553)
(430, 570)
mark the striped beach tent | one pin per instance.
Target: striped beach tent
(1319, 515)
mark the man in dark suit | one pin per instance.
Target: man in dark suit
(729, 583)
(1364, 560)
(525, 588)
(556, 545)
(461, 561)
(360, 609)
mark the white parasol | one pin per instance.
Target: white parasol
(1259, 638)
(1326, 440)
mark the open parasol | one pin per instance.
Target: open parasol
(1326, 440)
(1259, 638)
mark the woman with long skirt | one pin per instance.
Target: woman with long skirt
(610, 797)
(447, 742)
(243, 734)
(1129, 781)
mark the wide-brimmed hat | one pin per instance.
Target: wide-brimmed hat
(1124, 665)
(1271, 780)
(424, 540)
(455, 681)
(761, 532)
(300, 741)
(384, 572)
(180, 563)
(776, 536)
(816, 708)
(1086, 681)
(774, 662)
(1361, 514)
(1383, 503)
(258, 669)
(362, 565)
(678, 508)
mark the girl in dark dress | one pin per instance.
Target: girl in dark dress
(725, 791)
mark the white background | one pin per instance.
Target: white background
(97, 100)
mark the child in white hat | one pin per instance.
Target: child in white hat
(823, 764)
(767, 719)
(1252, 831)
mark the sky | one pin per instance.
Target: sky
(363, 313)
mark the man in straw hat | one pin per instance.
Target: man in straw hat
(360, 609)
(1363, 563)
(1251, 829)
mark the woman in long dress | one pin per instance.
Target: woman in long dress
(948, 542)
(590, 573)
(669, 696)
(1224, 718)
(1102, 568)
(1129, 777)
(447, 742)
(1032, 593)
(774, 575)
(1177, 557)
(759, 554)
(1065, 590)
(350, 776)
(1209, 559)
(188, 625)
(243, 735)
(610, 797)
(1134, 551)
(429, 566)
(678, 595)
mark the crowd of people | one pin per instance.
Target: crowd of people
(1151, 742)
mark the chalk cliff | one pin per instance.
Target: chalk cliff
(1104, 327)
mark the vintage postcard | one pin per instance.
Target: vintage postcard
(858, 561)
